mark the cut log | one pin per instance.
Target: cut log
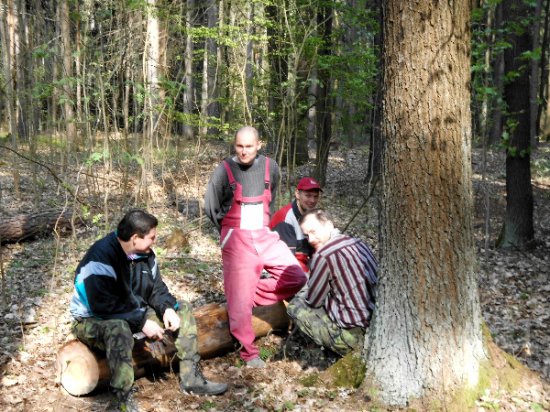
(213, 326)
(81, 370)
(20, 227)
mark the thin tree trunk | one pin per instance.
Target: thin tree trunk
(248, 79)
(66, 51)
(495, 133)
(313, 92)
(152, 53)
(534, 77)
(78, 66)
(324, 101)
(188, 93)
(8, 26)
(543, 116)
(7, 34)
(203, 128)
(376, 146)
(213, 109)
(221, 61)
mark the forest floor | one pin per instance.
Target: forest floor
(37, 284)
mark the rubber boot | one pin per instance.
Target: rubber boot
(192, 380)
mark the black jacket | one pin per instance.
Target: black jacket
(111, 285)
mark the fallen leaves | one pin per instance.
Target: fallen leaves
(34, 319)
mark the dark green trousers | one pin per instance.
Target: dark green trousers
(316, 323)
(114, 337)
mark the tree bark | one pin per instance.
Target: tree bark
(543, 116)
(518, 230)
(80, 371)
(495, 133)
(376, 144)
(534, 76)
(324, 100)
(22, 227)
(188, 93)
(67, 74)
(213, 109)
(9, 33)
(425, 339)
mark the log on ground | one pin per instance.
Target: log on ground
(81, 370)
(22, 227)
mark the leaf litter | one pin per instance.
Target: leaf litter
(34, 320)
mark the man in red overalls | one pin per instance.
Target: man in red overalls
(239, 200)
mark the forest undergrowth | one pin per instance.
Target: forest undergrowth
(37, 285)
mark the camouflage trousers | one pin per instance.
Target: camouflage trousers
(316, 323)
(114, 337)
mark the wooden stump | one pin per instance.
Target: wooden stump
(80, 370)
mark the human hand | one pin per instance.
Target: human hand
(153, 330)
(171, 320)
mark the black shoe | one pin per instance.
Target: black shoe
(193, 381)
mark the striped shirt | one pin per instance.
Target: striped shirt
(342, 280)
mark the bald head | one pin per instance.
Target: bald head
(247, 144)
(247, 130)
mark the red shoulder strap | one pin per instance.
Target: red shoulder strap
(229, 173)
(267, 178)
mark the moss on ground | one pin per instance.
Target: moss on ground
(348, 372)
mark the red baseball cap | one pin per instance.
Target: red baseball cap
(308, 183)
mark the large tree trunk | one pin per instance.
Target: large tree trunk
(518, 228)
(425, 339)
(80, 370)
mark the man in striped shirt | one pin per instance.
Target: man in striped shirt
(336, 305)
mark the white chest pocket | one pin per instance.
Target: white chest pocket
(252, 216)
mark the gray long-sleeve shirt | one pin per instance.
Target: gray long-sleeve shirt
(219, 196)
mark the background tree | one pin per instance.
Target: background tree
(324, 93)
(543, 117)
(66, 81)
(425, 340)
(518, 228)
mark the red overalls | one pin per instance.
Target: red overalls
(248, 246)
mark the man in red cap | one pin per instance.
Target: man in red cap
(285, 220)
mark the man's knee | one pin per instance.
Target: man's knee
(297, 306)
(118, 334)
(292, 310)
(188, 323)
(184, 308)
(118, 326)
